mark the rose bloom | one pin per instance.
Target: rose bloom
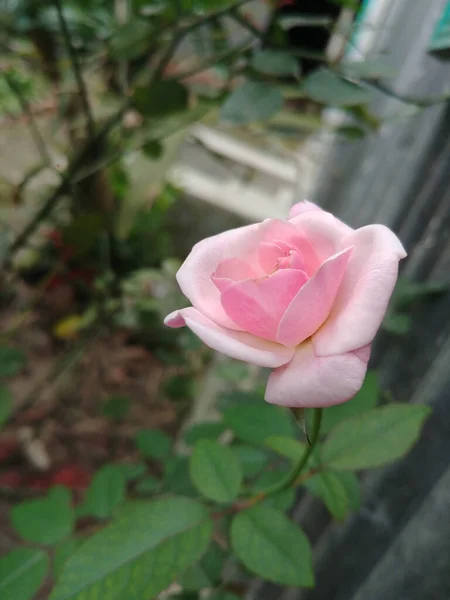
(304, 297)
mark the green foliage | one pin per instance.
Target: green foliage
(203, 431)
(132, 471)
(374, 438)
(253, 460)
(161, 99)
(206, 574)
(81, 235)
(62, 553)
(132, 39)
(286, 446)
(253, 101)
(215, 471)
(153, 150)
(105, 494)
(45, 520)
(22, 573)
(6, 404)
(153, 443)
(274, 62)
(12, 360)
(177, 478)
(271, 546)
(327, 87)
(254, 423)
(367, 69)
(117, 407)
(148, 485)
(339, 492)
(139, 554)
(366, 399)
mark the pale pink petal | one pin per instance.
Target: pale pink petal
(316, 381)
(302, 207)
(323, 230)
(365, 291)
(194, 275)
(236, 344)
(231, 270)
(268, 254)
(313, 303)
(258, 305)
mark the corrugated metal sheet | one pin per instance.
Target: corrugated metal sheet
(397, 547)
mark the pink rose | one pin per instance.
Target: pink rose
(304, 296)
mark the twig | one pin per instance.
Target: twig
(32, 126)
(76, 68)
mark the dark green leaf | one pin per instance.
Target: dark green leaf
(207, 573)
(138, 555)
(252, 460)
(22, 573)
(215, 471)
(305, 20)
(105, 494)
(161, 99)
(148, 485)
(12, 360)
(224, 596)
(286, 446)
(351, 132)
(254, 423)
(117, 407)
(367, 69)
(329, 488)
(82, 233)
(268, 479)
(153, 443)
(6, 404)
(132, 40)
(203, 431)
(352, 488)
(374, 438)
(251, 102)
(132, 471)
(327, 87)
(397, 323)
(45, 520)
(177, 478)
(272, 547)
(274, 62)
(153, 149)
(366, 399)
(280, 500)
(62, 553)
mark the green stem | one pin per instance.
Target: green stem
(286, 483)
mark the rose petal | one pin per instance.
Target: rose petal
(365, 291)
(231, 270)
(239, 345)
(316, 381)
(313, 303)
(324, 231)
(258, 305)
(302, 207)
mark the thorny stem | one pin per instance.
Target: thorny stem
(76, 68)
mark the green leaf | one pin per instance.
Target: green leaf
(215, 471)
(367, 69)
(12, 360)
(62, 553)
(351, 132)
(271, 546)
(328, 487)
(224, 596)
(252, 460)
(153, 443)
(328, 87)
(117, 407)
(203, 431)
(267, 479)
(153, 149)
(132, 471)
(177, 478)
(6, 404)
(397, 324)
(280, 500)
(161, 99)
(366, 399)
(251, 102)
(148, 485)
(105, 494)
(139, 554)
(286, 446)
(45, 520)
(255, 422)
(274, 62)
(22, 572)
(352, 488)
(132, 40)
(82, 233)
(305, 20)
(207, 572)
(374, 438)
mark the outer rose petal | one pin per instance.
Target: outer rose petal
(302, 207)
(239, 345)
(365, 291)
(315, 381)
(313, 303)
(323, 230)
